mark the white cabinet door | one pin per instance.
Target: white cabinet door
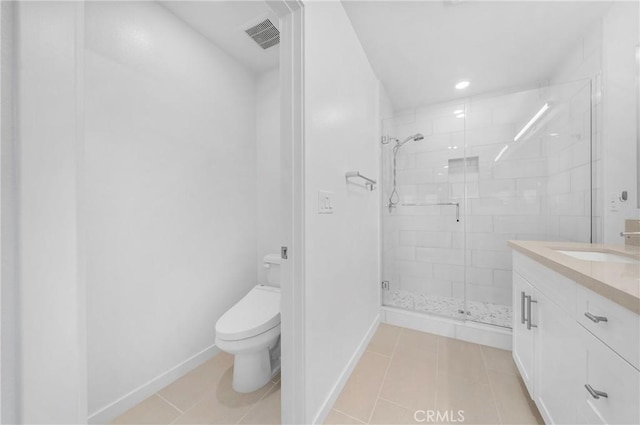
(613, 324)
(557, 373)
(606, 372)
(523, 338)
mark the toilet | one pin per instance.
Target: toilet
(250, 330)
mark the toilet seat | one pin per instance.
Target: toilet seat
(256, 313)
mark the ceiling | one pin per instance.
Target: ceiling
(420, 49)
(224, 24)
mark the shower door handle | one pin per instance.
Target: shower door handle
(523, 319)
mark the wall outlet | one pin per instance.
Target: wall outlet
(325, 202)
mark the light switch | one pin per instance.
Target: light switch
(614, 202)
(325, 202)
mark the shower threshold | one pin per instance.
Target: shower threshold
(477, 311)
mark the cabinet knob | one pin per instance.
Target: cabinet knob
(595, 393)
(594, 318)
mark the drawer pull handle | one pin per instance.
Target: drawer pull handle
(594, 318)
(595, 393)
(522, 298)
(529, 301)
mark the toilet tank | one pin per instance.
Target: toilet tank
(272, 264)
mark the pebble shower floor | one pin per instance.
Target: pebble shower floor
(493, 314)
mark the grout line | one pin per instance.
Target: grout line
(348, 415)
(493, 393)
(384, 377)
(435, 402)
(375, 353)
(202, 396)
(169, 403)
(379, 354)
(396, 403)
(273, 385)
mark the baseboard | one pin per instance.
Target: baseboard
(344, 376)
(478, 333)
(126, 402)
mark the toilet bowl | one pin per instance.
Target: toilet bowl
(250, 330)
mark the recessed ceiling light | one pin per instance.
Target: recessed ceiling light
(458, 111)
(459, 115)
(462, 85)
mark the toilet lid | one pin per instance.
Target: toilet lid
(254, 314)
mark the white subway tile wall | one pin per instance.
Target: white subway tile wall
(537, 187)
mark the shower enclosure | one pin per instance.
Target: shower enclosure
(487, 170)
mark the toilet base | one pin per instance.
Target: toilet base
(252, 370)
(256, 359)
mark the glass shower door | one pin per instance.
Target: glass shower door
(422, 219)
(489, 170)
(528, 178)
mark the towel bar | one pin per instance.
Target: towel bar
(369, 183)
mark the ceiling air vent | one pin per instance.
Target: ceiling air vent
(265, 34)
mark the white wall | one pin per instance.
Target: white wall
(342, 249)
(52, 380)
(386, 108)
(9, 368)
(606, 54)
(171, 193)
(621, 38)
(268, 167)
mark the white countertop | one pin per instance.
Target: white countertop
(618, 282)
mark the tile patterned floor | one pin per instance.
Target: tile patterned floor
(403, 371)
(205, 396)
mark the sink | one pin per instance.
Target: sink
(599, 256)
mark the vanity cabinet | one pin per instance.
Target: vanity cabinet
(575, 350)
(522, 342)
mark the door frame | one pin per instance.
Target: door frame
(292, 151)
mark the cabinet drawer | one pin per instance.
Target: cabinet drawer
(555, 286)
(620, 331)
(608, 372)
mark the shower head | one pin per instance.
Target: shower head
(415, 137)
